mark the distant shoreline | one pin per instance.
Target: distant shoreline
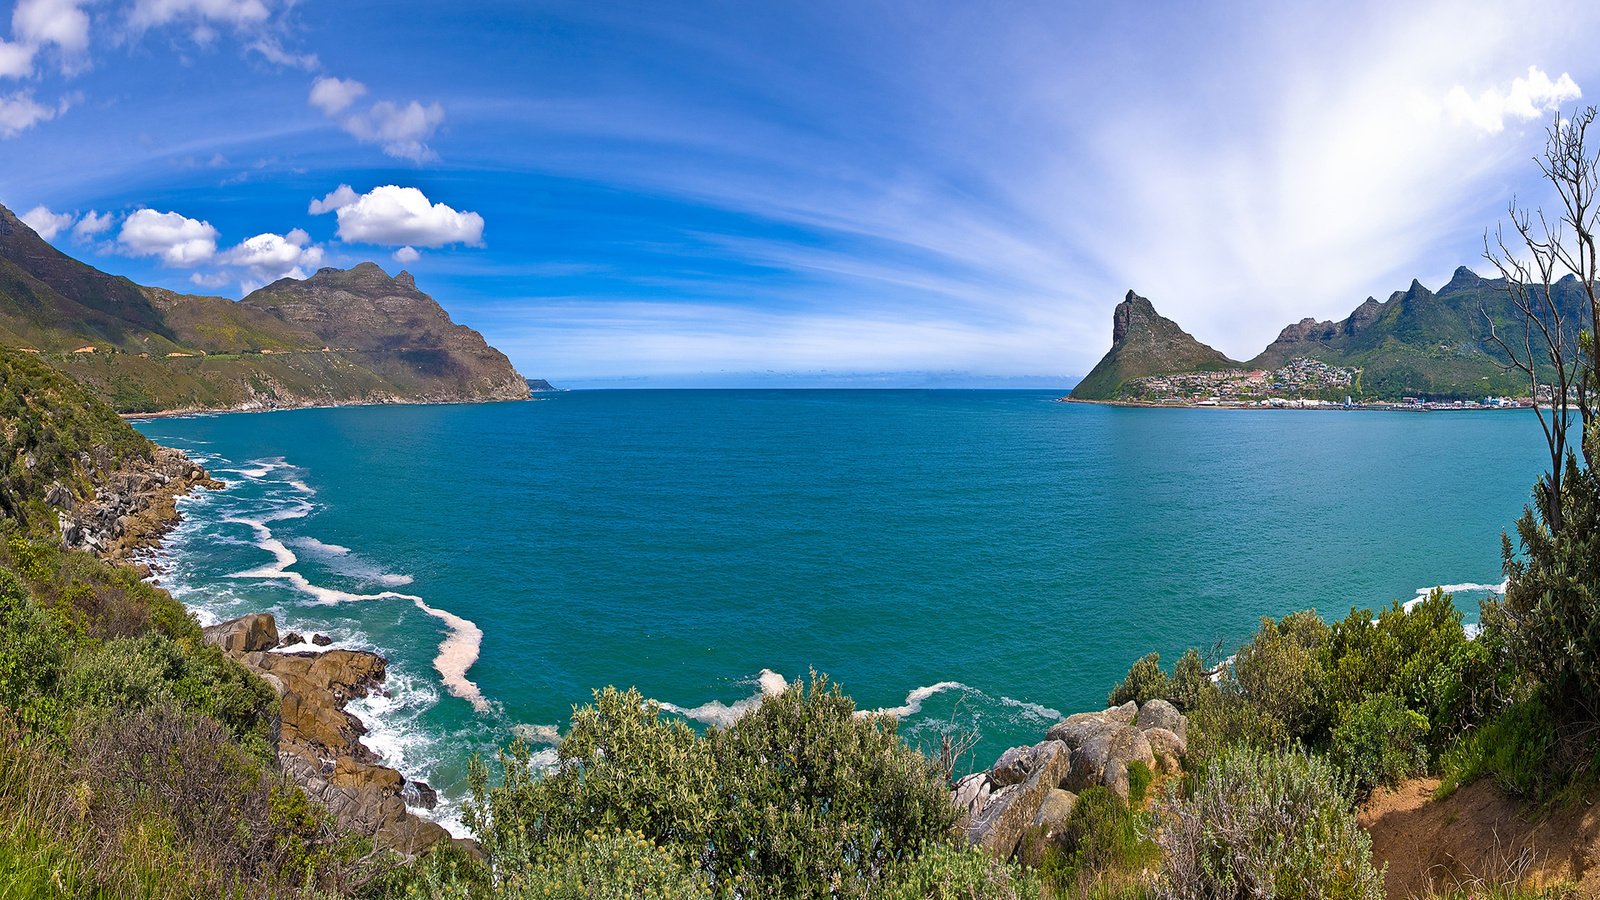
(1291, 406)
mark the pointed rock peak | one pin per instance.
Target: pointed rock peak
(405, 278)
(1132, 297)
(1462, 279)
(1416, 287)
(369, 268)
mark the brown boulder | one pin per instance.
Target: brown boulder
(1104, 759)
(1161, 714)
(1048, 829)
(1079, 727)
(1168, 748)
(1011, 810)
(246, 634)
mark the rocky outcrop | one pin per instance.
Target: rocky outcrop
(133, 508)
(319, 743)
(1145, 343)
(1023, 802)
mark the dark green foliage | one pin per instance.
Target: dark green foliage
(1191, 684)
(1104, 840)
(1139, 778)
(798, 798)
(1144, 682)
(1550, 619)
(1379, 741)
(30, 652)
(941, 872)
(1256, 823)
(54, 433)
(1280, 672)
(1516, 747)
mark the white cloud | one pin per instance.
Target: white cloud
(147, 13)
(19, 112)
(402, 216)
(337, 199)
(91, 224)
(176, 239)
(402, 130)
(210, 280)
(16, 59)
(1527, 98)
(274, 52)
(335, 95)
(47, 223)
(59, 22)
(269, 256)
(407, 255)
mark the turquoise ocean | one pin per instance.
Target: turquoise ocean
(968, 559)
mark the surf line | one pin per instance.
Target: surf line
(457, 652)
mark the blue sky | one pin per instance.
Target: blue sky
(619, 193)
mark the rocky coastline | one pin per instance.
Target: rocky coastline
(1021, 805)
(318, 742)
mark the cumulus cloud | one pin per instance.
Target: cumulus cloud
(16, 59)
(402, 130)
(19, 112)
(63, 23)
(91, 224)
(47, 223)
(407, 255)
(177, 239)
(335, 95)
(268, 257)
(337, 199)
(210, 280)
(274, 52)
(1527, 98)
(399, 216)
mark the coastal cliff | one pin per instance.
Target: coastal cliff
(339, 337)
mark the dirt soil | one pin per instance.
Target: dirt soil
(1480, 833)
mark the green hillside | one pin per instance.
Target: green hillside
(1145, 343)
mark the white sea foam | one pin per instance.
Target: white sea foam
(768, 683)
(318, 547)
(1035, 710)
(1467, 587)
(914, 700)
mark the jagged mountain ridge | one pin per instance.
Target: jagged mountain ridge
(156, 349)
(1416, 343)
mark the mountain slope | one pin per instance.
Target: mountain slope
(1144, 343)
(338, 337)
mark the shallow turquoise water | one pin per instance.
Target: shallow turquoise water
(1012, 554)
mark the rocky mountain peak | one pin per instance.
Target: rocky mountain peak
(1144, 343)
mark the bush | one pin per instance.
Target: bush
(1258, 823)
(1515, 747)
(1139, 778)
(1103, 838)
(30, 652)
(1280, 672)
(1192, 684)
(616, 866)
(941, 872)
(800, 797)
(1145, 682)
(1379, 741)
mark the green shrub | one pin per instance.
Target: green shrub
(1144, 682)
(123, 674)
(31, 651)
(1515, 747)
(1192, 684)
(1379, 741)
(1139, 778)
(941, 872)
(614, 866)
(1280, 672)
(800, 797)
(1230, 720)
(1103, 838)
(1258, 823)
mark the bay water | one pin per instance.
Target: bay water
(975, 560)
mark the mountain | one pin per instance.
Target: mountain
(355, 336)
(1416, 343)
(1145, 343)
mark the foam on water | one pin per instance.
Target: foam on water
(914, 700)
(768, 683)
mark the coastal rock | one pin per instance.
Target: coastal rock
(321, 640)
(970, 795)
(1020, 763)
(1079, 727)
(419, 794)
(1048, 828)
(1011, 810)
(1161, 714)
(1124, 714)
(1104, 759)
(246, 634)
(133, 507)
(319, 743)
(1169, 749)
(292, 638)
